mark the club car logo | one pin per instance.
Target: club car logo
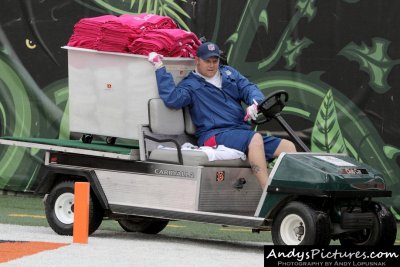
(220, 176)
(174, 173)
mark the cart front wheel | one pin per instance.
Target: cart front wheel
(299, 224)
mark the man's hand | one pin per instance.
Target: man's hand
(155, 59)
(251, 111)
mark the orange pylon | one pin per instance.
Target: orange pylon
(81, 212)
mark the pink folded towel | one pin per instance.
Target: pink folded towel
(167, 42)
(138, 34)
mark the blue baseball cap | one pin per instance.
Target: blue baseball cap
(207, 50)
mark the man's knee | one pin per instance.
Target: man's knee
(289, 146)
(285, 146)
(257, 141)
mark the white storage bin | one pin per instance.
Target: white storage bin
(108, 92)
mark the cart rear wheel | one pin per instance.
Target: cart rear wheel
(59, 207)
(299, 224)
(382, 233)
(143, 225)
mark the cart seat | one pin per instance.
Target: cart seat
(166, 123)
(194, 158)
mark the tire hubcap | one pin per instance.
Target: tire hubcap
(292, 229)
(64, 208)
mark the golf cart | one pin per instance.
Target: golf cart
(312, 198)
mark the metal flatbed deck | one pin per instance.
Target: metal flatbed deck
(118, 151)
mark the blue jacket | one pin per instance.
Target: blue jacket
(213, 110)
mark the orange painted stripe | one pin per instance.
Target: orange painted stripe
(14, 250)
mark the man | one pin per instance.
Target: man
(214, 94)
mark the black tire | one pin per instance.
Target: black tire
(143, 225)
(87, 138)
(382, 233)
(299, 224)
(111, 140)
(59, 207)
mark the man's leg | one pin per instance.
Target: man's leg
(255, 149)
(284, 146)
(257, 159)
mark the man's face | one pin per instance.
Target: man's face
(208, 67)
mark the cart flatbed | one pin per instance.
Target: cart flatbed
(96, 148)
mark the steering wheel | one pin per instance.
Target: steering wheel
(271, 105)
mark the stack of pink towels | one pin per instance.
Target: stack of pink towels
(143, 22)
(118, 34)
(138, 34)
(167, 42)
(87, 31)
